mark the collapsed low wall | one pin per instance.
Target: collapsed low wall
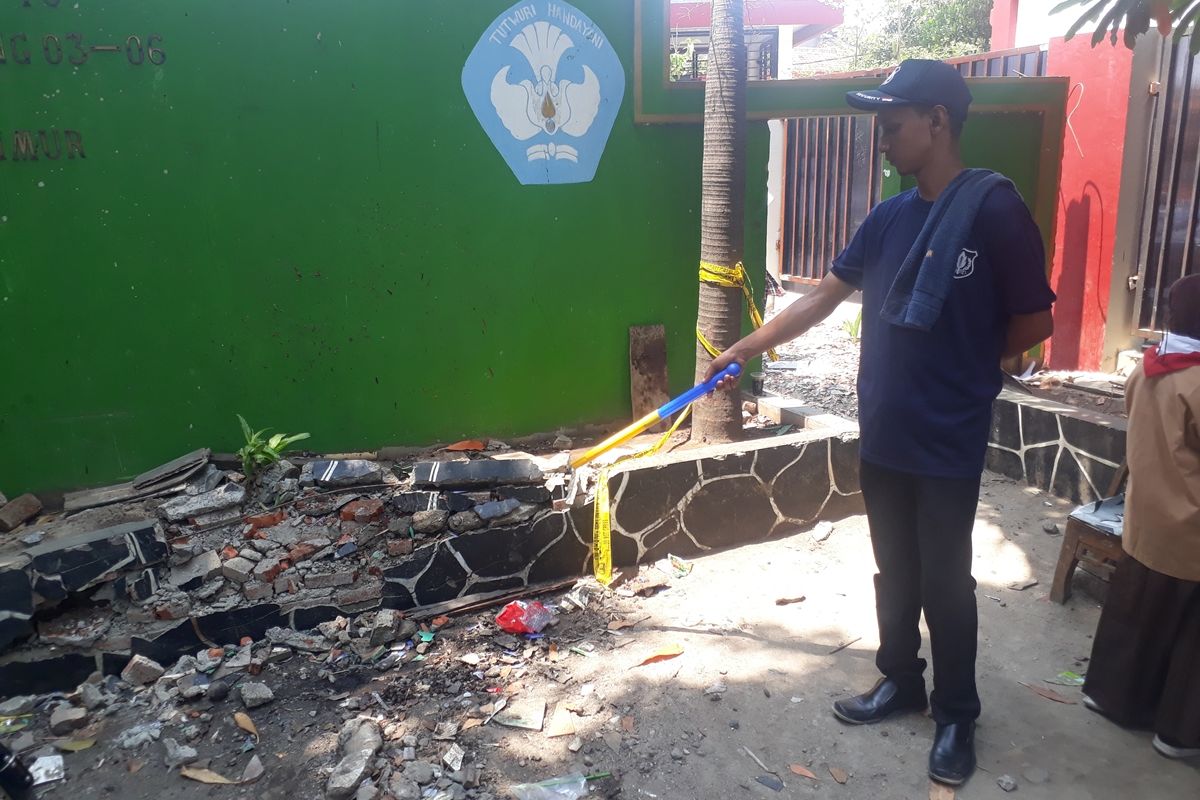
(132, 599)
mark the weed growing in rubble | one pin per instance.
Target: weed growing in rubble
(259, 452)
(853, 326)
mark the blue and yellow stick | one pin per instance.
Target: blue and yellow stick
(663, 412)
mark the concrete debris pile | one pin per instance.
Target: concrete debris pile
(299, 544)
(371, 707)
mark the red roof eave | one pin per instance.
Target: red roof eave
(758, 14)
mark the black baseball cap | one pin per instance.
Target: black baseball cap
(918, 81)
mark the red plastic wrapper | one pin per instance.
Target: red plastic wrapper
(522, 616)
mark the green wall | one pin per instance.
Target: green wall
(1004, 141)
(296, 217)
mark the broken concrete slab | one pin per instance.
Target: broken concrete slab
(360, 740)
(71, 564)
(412, 502)
(176, 470)
(471, 474)
(195, 572)
(188, 506)
(354, 472)
(18, 511)
(204, 480)
(16, 602)
(526, 494)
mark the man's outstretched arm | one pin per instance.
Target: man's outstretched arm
(792, 322)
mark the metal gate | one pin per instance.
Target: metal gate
(1167, 248)
(832, 171)
(832, 179)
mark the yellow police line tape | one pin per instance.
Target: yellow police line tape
(734, 277)
(731, 277)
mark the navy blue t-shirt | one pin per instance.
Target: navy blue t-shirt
(925, 398)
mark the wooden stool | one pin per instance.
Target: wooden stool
(1098, 550)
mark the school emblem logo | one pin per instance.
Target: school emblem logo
(546, 85)
(965, 266)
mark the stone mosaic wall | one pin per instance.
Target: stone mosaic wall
(1069, 452)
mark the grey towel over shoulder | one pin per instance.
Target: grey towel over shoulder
(924, 280)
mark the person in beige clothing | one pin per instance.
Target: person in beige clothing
(1145, 665)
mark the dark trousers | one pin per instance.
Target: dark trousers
(1145, 667)
(921, 535)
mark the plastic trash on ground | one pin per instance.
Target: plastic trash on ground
(568, 787)
(521, 616)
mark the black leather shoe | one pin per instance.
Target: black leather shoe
(952, 759)
(886, 698)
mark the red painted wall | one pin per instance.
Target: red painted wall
(1004, 24)
(1091, 183)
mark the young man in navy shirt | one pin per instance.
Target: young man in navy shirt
(926, 390)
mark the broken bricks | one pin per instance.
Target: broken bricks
(238, 569)
(362, 511)
(141, 671)
(16, 512)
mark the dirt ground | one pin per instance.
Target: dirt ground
(771, 672)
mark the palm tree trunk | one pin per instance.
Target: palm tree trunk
(719, 418)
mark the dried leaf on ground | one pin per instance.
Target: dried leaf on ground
(1049, 694)
(787, 601)
(663, 654)
(245, 723)
(940, 791)
(803, 772)
(135, 766)
(467, 445)
(621, 624)
(75, 745)
(628, 724)
(203, 775)
(839, 775)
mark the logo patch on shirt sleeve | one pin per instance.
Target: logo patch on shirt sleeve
(965, 266)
